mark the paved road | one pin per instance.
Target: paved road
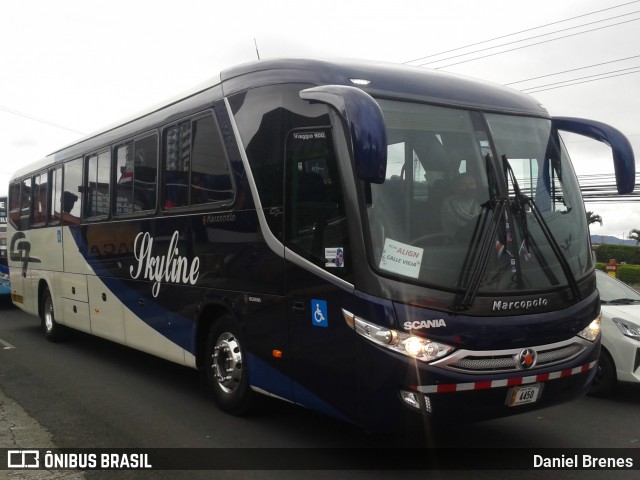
(91, 393)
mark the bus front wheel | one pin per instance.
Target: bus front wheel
(53, 331)
(226, 370)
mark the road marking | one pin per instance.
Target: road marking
(6, 345)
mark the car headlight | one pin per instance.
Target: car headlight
(412, 346)
(628, 329)
(591, 332)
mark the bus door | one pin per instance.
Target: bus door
(318, 270)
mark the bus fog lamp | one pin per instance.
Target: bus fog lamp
(410, 398)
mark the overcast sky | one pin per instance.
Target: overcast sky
(71, 67)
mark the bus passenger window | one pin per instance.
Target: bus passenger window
(39, 199)
(71, 198)
(210, 180)
(25, 204)
(177, 159)
(98, 183)
(14, 204)
(136, 174)
(195, 165)
(56, 196)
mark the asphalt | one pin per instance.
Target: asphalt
(18, 430)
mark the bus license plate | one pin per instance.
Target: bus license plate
(522, 395)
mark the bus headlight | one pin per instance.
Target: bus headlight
(591, 332)
(412, 346)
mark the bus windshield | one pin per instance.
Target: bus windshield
(478, 201)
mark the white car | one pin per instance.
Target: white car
(620, 353)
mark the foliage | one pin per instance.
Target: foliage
(634, 234)
(629, 274)
(621, 253)
(593, 218)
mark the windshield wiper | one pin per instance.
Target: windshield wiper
(621, 301)
(522, 201)
(478, 254)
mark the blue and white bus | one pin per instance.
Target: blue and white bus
(292, 229)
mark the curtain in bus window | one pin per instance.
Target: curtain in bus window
(210, 180)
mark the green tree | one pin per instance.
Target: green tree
(593, 218)
(634, 234)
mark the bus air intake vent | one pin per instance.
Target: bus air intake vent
(506, 361)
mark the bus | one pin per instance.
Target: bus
(286, 229)
(5, 286)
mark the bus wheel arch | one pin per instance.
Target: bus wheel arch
(223, 364)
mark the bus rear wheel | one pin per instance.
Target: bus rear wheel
(53, 331)
(226, 371)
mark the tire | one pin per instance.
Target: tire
(226, 369)
(53, 331)
(605, 380)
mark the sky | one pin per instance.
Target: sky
(71, 67)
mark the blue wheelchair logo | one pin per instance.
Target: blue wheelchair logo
(319, 316)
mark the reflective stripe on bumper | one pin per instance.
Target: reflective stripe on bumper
(507, 382)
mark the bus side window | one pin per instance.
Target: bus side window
(55, 201)
(39, 200)
(25, 204)
(71, 198)
(316, 224)
(14, 204)
(210, 178)
(176, 166)
(98, 184)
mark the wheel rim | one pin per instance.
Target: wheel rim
(48, 314)
(227, 362)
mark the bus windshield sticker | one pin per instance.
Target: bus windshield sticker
(319, 317)
(334, 257)
(398, 257)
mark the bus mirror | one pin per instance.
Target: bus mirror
(364, 121)
(623, 158)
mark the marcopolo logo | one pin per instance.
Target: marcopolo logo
(503, 305)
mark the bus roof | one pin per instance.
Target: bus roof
(385, 80)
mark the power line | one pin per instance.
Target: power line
(521, 31)
(526, 46)
(580, 80)
(39, 120)
(575, 82)
(573, 70)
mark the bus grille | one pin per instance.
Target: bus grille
(507, 362)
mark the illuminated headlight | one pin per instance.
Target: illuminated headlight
(628, 329)
(413, 346)
(591, 332)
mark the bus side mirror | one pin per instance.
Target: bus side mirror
(364, 121)
(623, 159)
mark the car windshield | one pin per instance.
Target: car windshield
(614, 291)
(474, 200)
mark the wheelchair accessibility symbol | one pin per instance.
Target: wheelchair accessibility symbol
(319, 317)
